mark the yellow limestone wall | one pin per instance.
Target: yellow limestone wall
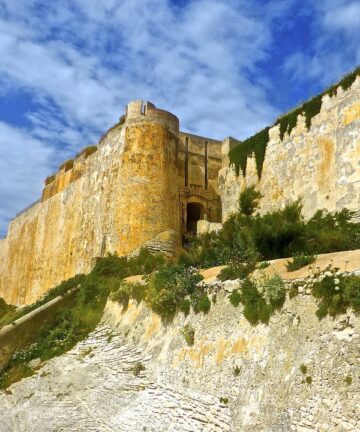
(320, 165)
(127, 193)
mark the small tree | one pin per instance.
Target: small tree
(249, 201)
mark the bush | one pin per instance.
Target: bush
(336, 293)
(255, 307)
(303, 369)
(274, 291)
(203, 304)
(235, 271)
(184, 306)
(237, 370)
(168, 287)
(249, 201)
(138, 368)
(189, 334)
(235, 298)
(299, 260)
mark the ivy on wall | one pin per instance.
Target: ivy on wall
(256, 145)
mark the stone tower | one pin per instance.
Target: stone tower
(149, 207)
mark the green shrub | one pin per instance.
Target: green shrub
(224, 400)
(189, 334)
(255, 307)
(303, 369)
(201, 303)
(235, 271)
(237, 370)
(299, 260)
(308, 380)
(263, 265)
(168, 287)
(274, 291)
(249, 201)
(138, 368)
(235, 298)
(348, 380)
(336, 293)
(184, 306)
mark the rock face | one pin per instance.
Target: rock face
(320, 165)
(297, 374)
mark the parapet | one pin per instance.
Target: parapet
(140, 110)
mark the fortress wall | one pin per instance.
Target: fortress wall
(122, 196)
(60, 237)
(321, 166)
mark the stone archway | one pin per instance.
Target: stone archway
(194, 212)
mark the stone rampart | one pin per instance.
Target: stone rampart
(319, 165)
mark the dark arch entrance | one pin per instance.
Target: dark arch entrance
(194, 212)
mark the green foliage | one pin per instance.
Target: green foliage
(237, 370)
(67, 165)
(169, 286)
(50, 179)
(184, 306)
(348, 380)
(303, 369)
(263, 265)
(61, 289)
(308, 380)
(74, 323)
(300, 260)
(235, 271)
(201, 303)
(249, 201)
(255, 307)
(336, 293)
(274, 291)
(256, 145)
(127, 290)
(189, 334)
(235, 298)
(224, 400)
(138, 368)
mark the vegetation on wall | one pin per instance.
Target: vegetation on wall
(87, 151)
(256, 145)
(67, 165)
(50, 179)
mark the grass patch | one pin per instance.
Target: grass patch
(300, 260)
(189, 334)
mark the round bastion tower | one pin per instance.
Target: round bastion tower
(149, 201)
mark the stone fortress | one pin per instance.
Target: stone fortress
(147, 183)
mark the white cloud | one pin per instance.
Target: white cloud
(336, 43)
(23, 161)
(83, 60)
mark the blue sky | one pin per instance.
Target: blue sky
(224, 67)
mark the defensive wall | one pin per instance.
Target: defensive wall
(148, 183)
(319, 165)
(129, 190)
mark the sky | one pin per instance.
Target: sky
(224, 67)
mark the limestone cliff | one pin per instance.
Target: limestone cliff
(234, 378)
